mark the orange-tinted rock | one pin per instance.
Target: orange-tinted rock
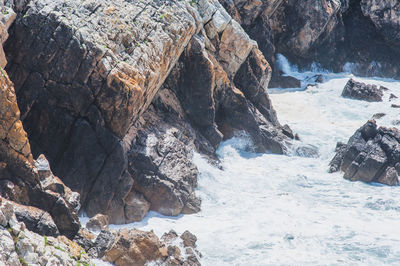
(134, 247)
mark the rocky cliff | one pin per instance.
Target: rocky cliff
(119, 94)
(360, 36)
(113, 98)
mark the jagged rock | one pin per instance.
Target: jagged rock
(361, 91)
(95, 81)
(168, 186)
(386, 17)
(19, 245)
(85, 84)
(7, 249)
(336, 162)
(371, 155)
(252, 79)
(133, 247)
(7, 17)
(189, 240)
(19, 177)
(392, 96)
(169, 237)
(97, 222)
(102, 243)
(330, 33)
(36, 220)
(50, 182)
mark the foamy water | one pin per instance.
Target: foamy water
(266, 209)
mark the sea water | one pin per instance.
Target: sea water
(267, 209)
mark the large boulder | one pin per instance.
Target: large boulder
(361, 91)
(371, 155)
(35, 220)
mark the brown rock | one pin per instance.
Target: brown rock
(136, 207)
(98, 222)
(169, 237)
(189, 239)
(134, 247)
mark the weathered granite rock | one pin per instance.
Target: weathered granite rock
(160, 159)
(19, 178)
(371, 155)
(7, 17)
(330, 33)
(360, 91)
(133, 247)
(35, 220)
(20, 246)
(386, 17)
(136, 206)
(86, 79)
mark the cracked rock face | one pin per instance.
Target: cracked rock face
(19, 177)
(329, 32)
(88, 76)
(371, 155)
(361, 91)
(84, 72)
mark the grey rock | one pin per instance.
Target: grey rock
(360, 91)
(371, 155)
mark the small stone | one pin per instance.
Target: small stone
(98, 222)
(169, 237)
(378, 115)
(392, 96)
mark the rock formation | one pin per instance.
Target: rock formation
(20, 179)
(371, 155)
(20, 246)
(119, 94)
(331, 33)
(360, 91)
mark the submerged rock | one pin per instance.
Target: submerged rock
(360, 91)
(371, 155)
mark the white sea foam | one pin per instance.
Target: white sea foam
(266, 209)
